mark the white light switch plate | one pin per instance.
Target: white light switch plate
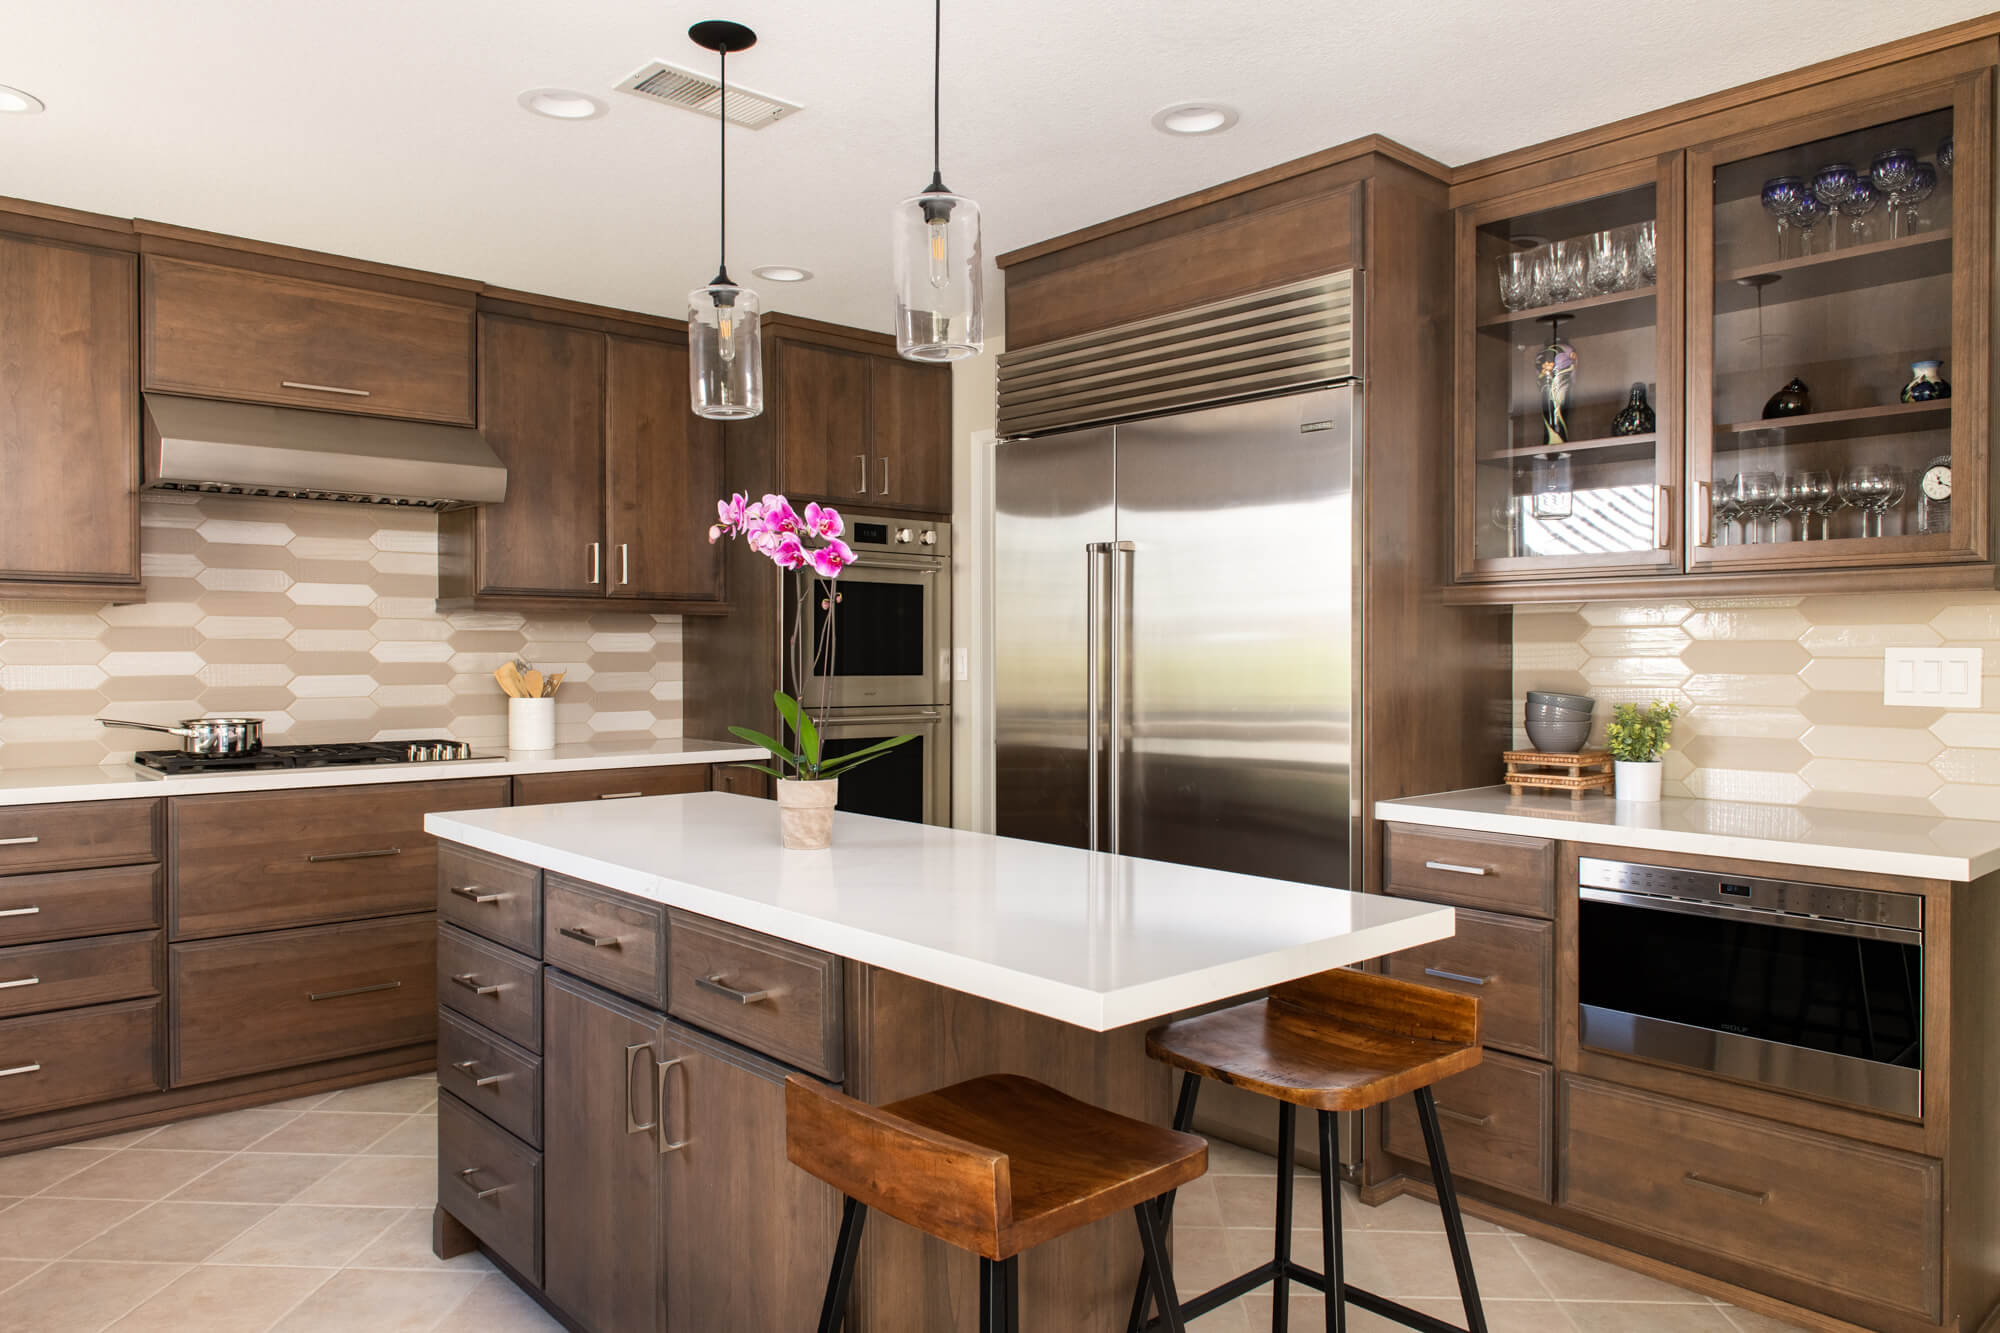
(1931, 677)
(964, 664)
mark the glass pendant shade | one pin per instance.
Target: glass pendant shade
(725, 352)
(940, 298)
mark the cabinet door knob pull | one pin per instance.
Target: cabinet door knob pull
(885, 476)
(354, 990)
(470, 980)
(467, 1173)
(1733, 1191)
(322, 388)
(20, 842)
(318, 857)
(660, 1093)
(19, 1069)
(1443, 975)
(862, 459)
(634, 1125)
(19, 911)
(466, 1067)
(582, 936)
(624, 565)
(1454, 868)
(23, 981)
(471, 893)
(1463, 1118)
(617, 795)
(1663, 530)
(715, 985)
(1704, 523)
(596, 563)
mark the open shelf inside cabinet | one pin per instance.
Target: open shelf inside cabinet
(1876, 264)
(1852, 423)
(1612, 312)
(1607, 448)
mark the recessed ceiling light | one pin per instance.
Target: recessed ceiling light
(562, 104)
(1194, 118)
(19, 103)
(782, 273)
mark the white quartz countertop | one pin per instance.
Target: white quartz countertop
(1088, 938)
(1921, 846)
(42, 786)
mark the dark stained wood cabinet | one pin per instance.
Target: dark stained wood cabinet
(820, 398)
(663, 474)
(608, 784)
(909, 412)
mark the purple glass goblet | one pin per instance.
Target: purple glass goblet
(1893, 172)
(1780, 196)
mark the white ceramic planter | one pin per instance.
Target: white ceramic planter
(805, 812)
(1636, 782)
(531, 724)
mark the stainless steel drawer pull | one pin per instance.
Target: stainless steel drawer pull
(19, 1069)
(582, 936)
(1735, 1192)
(1443, 975)
(624, 565)
(885, 476)
(19, 911)
(1455, 868)
(471, 893)
(467, 1173)
(466, 1067)
(1463, 1118)
(617, 795)
(354, 856)
(24, 981)
(353, 990)
(323, 388)
(717, 986)
(596, 563)
(470, 980)
(862, 459)
(18, 842)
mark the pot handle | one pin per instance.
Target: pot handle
(147, 726)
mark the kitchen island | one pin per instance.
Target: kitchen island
(654, 968)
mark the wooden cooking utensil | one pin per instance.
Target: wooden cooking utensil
(535, 684)
(554, 682)
(500, 674)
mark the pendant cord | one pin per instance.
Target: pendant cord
(722, 194)
(937, 82)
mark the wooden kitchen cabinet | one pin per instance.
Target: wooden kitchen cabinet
(663, 474)
(909, 409)
(820, 398)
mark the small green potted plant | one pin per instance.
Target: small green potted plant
(1636, 741)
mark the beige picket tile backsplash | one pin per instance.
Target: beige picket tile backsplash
(319, 618)
(1783, 696)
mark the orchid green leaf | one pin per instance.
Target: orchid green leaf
(802, 726)
(875, 751)
(775, 747)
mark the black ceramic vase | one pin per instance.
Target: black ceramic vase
(1794, 400)
(1636, 417)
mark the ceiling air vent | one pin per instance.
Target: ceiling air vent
(701, 94)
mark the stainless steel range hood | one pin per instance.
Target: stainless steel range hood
(199, 444)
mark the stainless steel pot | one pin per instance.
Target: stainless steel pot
(220, 737)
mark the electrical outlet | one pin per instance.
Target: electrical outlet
(963, 660)
(1931, 677)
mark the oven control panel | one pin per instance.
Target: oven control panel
(1903, 911)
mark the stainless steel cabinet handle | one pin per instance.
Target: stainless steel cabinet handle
(715, 985)
(596, 562)
(618, 795)
(633, 1125)
(624, 564)
(1456, 869)
(1121, 624)
(19, 1069)
(323, 388)
(1704, 528)
(19, 842)
(862, 459)
(1463, 1118)
(660, 1095)
(885, 476)
(466, 1067)
(1663, 518)
(19, 911)
(1734, 1191)
(355, 856)
(471, 893)
(468, 1173)
(470, 980)
(354, 990)
(1093, 630)
(1455, 976)
(24, 981)
(582, 936)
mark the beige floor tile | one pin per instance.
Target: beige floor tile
(305, 1103)
(1195, 1205)
(296, 1236)
(1405, 1212)
(415, 1137)
(175, 1232)
(1252, 1201)
(79, 1297)
(403, 1094)
(135, 1173)
(496, 1305)
(1227, 1159)
(1645, 1317)
(258, 1178)
(1570, 1276)
(218, 1299)
(1749, 1321)
(33, 1172)
(14, 1270)
(113, 1142)
(407, 1244)
(387, 1182)
(380, 1301)
(1201, 1259)
(329, 1132)
(228, 1132)
(51, 1228)
(1501, 1316)
(1408, 1265)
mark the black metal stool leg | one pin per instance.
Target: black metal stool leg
(992, 1309)
(1183, 1121)
(1454, 1222)
(1281, 1257)
(1158, 1267)
(834, 1309)
(1332, 1243)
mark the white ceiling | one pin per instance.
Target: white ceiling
(388, 129)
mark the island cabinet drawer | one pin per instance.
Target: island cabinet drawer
(248, 861)
(492, 1075)
(1508, 962)
(491, 896)
(1496, 1119)
(768, 994)
(1852, 1217)
(494, 987)
(72, 903)
(78, 1056)
(611, 784)
(492, 1182)
(1482, 870)
(615, 940)
(35, 978)
(292, 997)
(82, 833)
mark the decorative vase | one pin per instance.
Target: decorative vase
(1555, 368)
(1634, 781)
(1794, 400)
(531, 724)
(805, 812)
(1636, 417)
(1926, 384)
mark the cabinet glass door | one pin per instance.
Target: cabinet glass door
(1836, 381)
(1569, 378)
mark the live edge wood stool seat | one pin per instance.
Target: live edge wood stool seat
(1338, 1041)
(994, 1165)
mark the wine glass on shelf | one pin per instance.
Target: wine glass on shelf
(1807, 214)
(1541, 276)
(1944, 155)
(1780, 196)
(1603, 263)
(1812, 493)
(1923, 182)
(1756, 500)
(1893, 172)
(1723, 510)
(1872, 488)
(1646, 244)
(1831, 185)
(1571, 266)
(1514, 280)
(1860, 202)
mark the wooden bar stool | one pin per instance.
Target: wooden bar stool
(993, 1165)
(1338, 1041)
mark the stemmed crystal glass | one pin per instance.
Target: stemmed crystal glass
(1893, 173)
(1810, 496)
(1923, 181)
(1724, 510)
(1872, 488)
(1831, 185)
(1757, 500)
(1944, 155)
(1807, 214)
(1860, 202)
(1780, 196)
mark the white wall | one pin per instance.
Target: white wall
(972, 424)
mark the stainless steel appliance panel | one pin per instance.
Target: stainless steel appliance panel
(912, 781)
(892, 644)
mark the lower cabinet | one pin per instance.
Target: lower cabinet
(1496, 1120)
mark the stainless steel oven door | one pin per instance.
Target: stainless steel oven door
(892, 638)
(912, 781)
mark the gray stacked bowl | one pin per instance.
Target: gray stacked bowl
(1558, 723)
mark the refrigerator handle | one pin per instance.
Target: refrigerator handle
(1119, 630)
(1093, 635)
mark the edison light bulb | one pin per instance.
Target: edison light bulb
(939, 228)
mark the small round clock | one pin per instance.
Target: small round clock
(1937, 480)
(1934, 510)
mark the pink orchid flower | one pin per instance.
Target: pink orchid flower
(831, 558)
(787, 551)
(824, 522)
(731, 512)
(777, 515)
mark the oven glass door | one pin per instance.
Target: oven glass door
(889, 638)
(908, 782)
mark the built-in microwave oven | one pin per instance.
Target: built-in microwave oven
(891, 642)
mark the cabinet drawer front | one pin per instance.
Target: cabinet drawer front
(1489, 870)
(1496, 1120)
(1509, 963)
(79, 902)
(84, 833)
(609, 784)
(618, 942)
(80, 1055)
(491, 896)
(770, 995)
(494, 987)
(494, 1075)
(293, 997)
(263, 860)
(263, 338)
(35, 978)
(492, 1183)
(1849, 1216)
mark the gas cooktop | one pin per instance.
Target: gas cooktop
(177, 763)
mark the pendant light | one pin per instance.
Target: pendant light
(940, 304)
(725, 347)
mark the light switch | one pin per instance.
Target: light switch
(964, 663)
(1931, 677)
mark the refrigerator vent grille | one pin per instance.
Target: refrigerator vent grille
(701, 94)
(1274, 341)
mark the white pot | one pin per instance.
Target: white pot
(805, 812)
(1636, 782)
(531, 724)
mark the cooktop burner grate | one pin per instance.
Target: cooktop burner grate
(307, 756)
